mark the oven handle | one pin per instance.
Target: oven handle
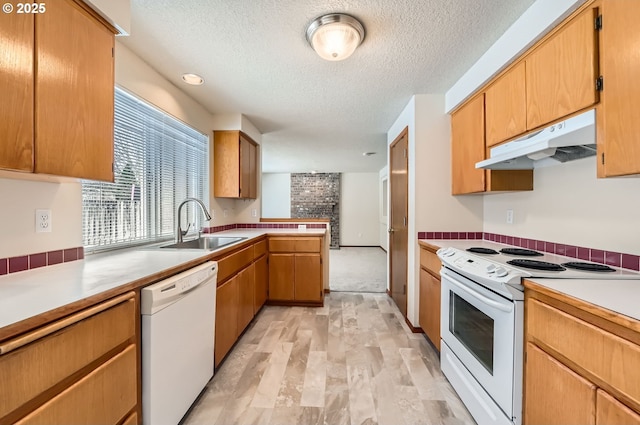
(478, 295)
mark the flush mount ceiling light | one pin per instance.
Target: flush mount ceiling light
(193, 79)
(336, 36)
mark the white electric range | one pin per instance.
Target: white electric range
(483, 319)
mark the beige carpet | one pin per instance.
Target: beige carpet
(358, 269)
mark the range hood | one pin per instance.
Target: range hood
(574, 138)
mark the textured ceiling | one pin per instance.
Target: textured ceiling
(314, 114)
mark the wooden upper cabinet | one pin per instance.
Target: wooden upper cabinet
(16, 86)
(74, 83)
(235, 165)
(467, 147)
(611, 411)
(561, 73)
(506, 106)
(618, 118)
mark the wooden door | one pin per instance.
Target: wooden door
(246, 291)
(74, 93)
(429, 315)
(308, 277)
(261, 283)
(16, 88)
(399, 220)
(554, 394)
(506, 106)
(226, 318)
(611, 411)
(281, 277)
(468, 147)
(561, 73)
(618, 118)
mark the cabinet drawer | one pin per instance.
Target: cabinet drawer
(232, 264)
(30, 370)
(430, 261)
(259, 249)
(104, 396)
(298, 244)
(609, 358)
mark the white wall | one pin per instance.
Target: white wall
(431, 205)
(359, 209)
(569, 205)
(116, 12)
(20, 199)
(383, 225)
(276, 195)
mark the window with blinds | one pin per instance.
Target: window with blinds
(158, 163)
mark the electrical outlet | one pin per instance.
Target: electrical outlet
(509, 216)
(44, 223)
(254, 212)
(225, 212)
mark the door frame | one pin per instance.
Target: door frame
(401, 135)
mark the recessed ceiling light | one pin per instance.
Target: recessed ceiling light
(368, 153)
(193, 79)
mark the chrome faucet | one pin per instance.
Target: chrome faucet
(180, 233)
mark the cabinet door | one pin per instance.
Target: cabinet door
(74, 93)
(618, 118)
(226, 318)
(429, 315)
(253, 171)
(611, 411)
(281, 277)
(467, 147)
(246, 290)
(308, 277)
(561, 73)
(506, 106)
(555, 395)
(261, 283)
(16, 86)
(245, 168)
(104, 396)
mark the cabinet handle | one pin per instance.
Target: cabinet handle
(23, 340)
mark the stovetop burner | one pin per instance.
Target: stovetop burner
(590, 267)
(537, 265)
(521, 252)
(480, 250)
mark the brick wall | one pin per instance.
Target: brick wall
(317, 196)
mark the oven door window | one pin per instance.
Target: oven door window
(473, 329)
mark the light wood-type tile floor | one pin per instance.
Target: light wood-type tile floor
(353, 362)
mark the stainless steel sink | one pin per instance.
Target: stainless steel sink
(206, 242)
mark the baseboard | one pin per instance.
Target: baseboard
(362, 246)
(415, 330)
(389, 293)
(327, 291)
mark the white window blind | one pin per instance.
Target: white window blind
(158, 163)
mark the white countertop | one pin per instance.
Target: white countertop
(26, 294)
(620, 296)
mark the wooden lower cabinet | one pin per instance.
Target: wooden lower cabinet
(611, 411)
(81, 369)
(105, 396)
(226, 318)
(581, 362)
(429, 315)
(246, 292)
(261, 283)
(555, 394)
(296, 270)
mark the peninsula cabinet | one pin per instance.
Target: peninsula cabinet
(618, 115)
(235, 165)
(81, 369)
(582, 355)
(429, 313)
(58, 94)
(468, 147)
(295, 270)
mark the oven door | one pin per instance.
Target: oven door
(480, 328)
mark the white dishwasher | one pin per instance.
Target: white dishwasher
(178, 330)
